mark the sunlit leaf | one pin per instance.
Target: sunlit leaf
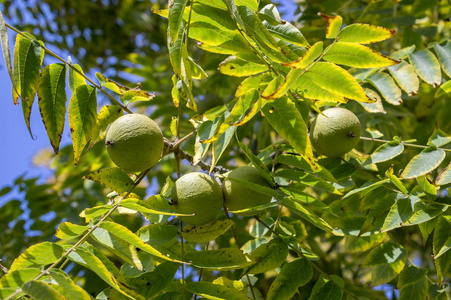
(395, 180)
(307, 179)
(287, 32)
(27, 65)
(67, 231)
(385, 84)
(71, 290)
(292, 276)
(284, 117)
(444, 177)
(267, 257)
(16, 278)
(427, 66)
(113, 178)
(41, 290)
(405, 76)
(234, 66)
(355, 244)
(386, 152)
(110, 84)
(107, 115)
(220, 145)
(333, 25)
(444, 89)
(75, 77)
(258, 164)
(136, 95)
(220, 259)
(423, 163)
(270, 14)
(175, 51)
(175, 18)
(444, 56)
(357, 56)
(387, 261)
(38, 255)
(5, 48)
(157, 234)
(146, 208)
(327, 289)
(52, 102)
(309, 57)
(365, 33)
(82, 117)
(206, 233)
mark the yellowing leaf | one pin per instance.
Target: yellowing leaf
(357, 56)
(444, 89)
(309, 89)
(113, 178)
(333, 25)
(219, 259)
(205, 233)
(336, 80)
(405, 77)
(175, 18)
(267, 257)
(38, 255)
(423, 163)
(427, 66)
(41, 290)
(67, 231)
(387, 87)
(309, 57)
(75, 77)
(52, 102)
(235, 66)
(70, 290)
(107, 115)
(82, 117)
(210, 290)
(365, 33)
(5, 48)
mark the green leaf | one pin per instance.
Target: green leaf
(308, 88)
(156, 234)
(423, 163)
(95, 212)
(444, 89)
(110, 84)
(175, 18)
(175, 51)
(307, 179)
(306, 214)
(204, 132)
(136, 95)
(441, 244)
(220, 145)
(427, 66)
(148, 284)
(256, 187)
(398, 215)
(413, 283)
(247, 84)
(328, 289)
(444, 56)
(52, 102)
(267, 257)
(16, 278)
(219, 259)
(71, 290)
(375, 107)
(356, 244)
(439, 138)
(38, 255)
(444, 177)
(333, 25)
(223, 41)
(308, 58)
(234, 66)
(288, 33)
(270, 14)
(336, 80)
(258, 164)
(82, 117)
(27, 65)
(386, 152)
(210, 290)
(285, 118)
(365, 33)
(5, 48)
(75, 78)
(68, 231)
(292, 276)
(206, 233)
(125, 234)
(395, 180)
(107, 115)
(146, 208)
(385, 84)
(113, 178)
(357, 56)
(40, 290)
(405, 76)
(387, 261)
(427, 187)
(89, 260)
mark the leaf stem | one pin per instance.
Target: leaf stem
(51, 53)
(405, 144)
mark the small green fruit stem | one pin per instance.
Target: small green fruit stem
(85, 237)
(405, 144)
(300, 254)
(73, 68)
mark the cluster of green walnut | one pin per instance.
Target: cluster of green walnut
(135, 143)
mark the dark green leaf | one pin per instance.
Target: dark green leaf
(427, 66)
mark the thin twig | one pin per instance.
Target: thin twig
(405, 144)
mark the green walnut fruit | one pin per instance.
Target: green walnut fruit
(335, 133)
(134, 142)
(237, 196)
(199, 194)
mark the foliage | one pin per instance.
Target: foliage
(243, 88)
